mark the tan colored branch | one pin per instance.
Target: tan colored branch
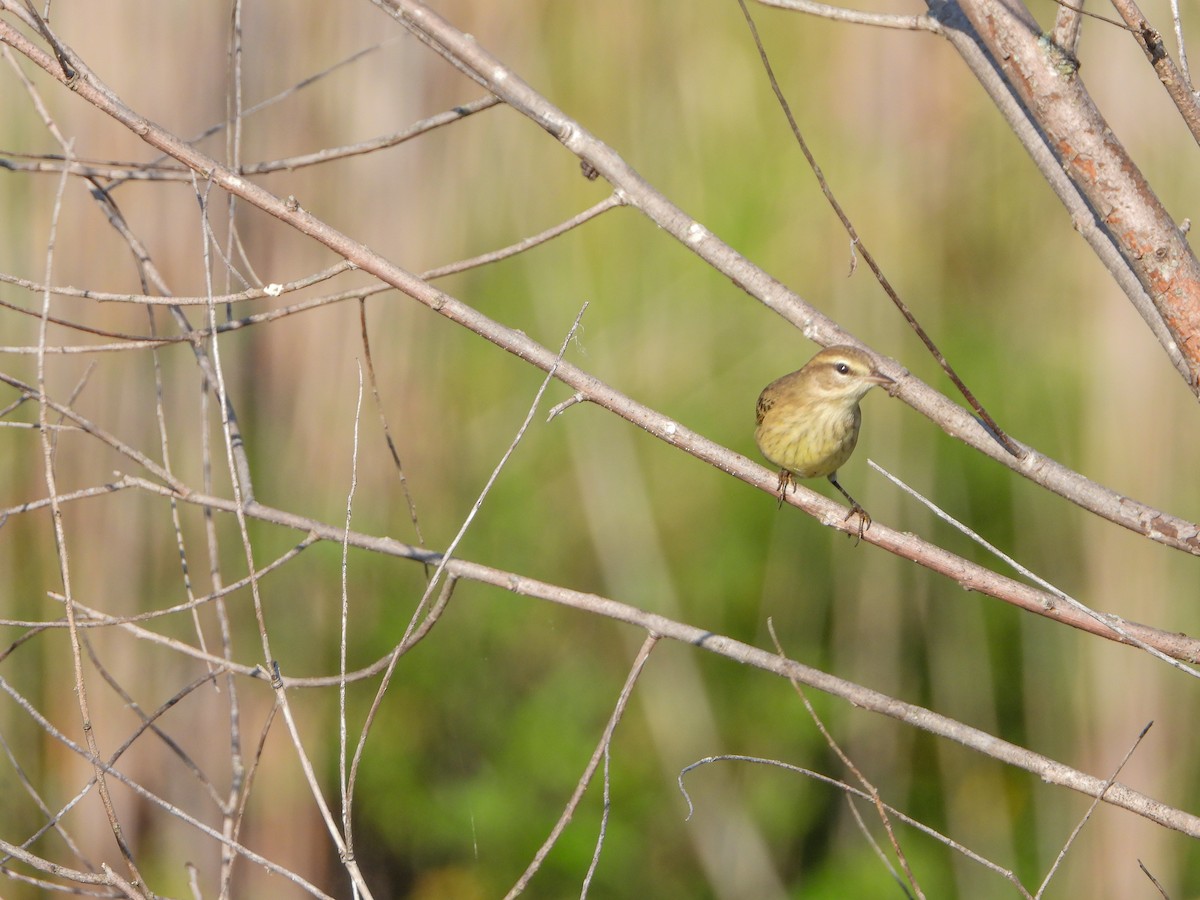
(1047, 81)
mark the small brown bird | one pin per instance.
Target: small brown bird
(808, 421)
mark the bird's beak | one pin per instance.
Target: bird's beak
(880, 379)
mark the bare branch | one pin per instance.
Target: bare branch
(1168, 73)
(589, 771)
(854, 17)
(913, 715)
(1048, 84)
(1062, 854)
(638, 193)
(850, 791)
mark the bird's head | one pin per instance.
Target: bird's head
(843, 373)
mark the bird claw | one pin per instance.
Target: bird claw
(864, 521)
(785, 479)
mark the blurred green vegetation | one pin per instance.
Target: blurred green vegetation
(487, 724)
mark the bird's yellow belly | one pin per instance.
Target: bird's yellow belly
(812, 448)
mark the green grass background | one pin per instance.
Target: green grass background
(488, 723)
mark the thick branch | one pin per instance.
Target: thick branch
(1046, 80)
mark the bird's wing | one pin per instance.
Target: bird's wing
(765, 403)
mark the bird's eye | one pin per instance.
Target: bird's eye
(843, 368)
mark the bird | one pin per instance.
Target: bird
(808, 420)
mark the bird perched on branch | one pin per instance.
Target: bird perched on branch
(808, 421)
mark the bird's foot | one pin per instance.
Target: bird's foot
(785, 479)
(864, 520)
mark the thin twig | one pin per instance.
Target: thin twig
(869, 787)
(388, 666)
(141, 791)
(1177, 85)
(879, 852)
(97, 619)
(270, 291)
(53, 821)
(1062, 854)
(62, 554)
(605, 810)
(612, 201)
(443, 560)
(329, 154)
(585, 779)
(559, 408)
(243, 497)
(850, 791)
(920, 22)
(1154, 881)
(164, 443)
(1068, 22)
(314, 787)
(1114, 623)
(387, 431)
(344, 632)
(1177, 21)
(148, 721)
(149, 274)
